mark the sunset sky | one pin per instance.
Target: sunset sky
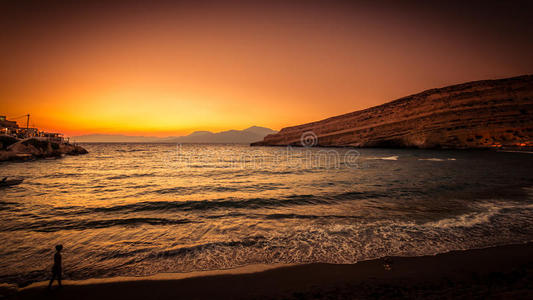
(168, 68)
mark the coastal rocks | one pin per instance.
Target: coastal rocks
(33, 148)
(6, 141)
(480, 114)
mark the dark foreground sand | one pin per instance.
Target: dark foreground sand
(502, 272)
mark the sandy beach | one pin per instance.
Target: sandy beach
(499, 272)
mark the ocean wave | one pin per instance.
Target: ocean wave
(192, 190)
(465, 220)
(189, 190)
(483, 214)
(516, 151)
(130, 150)
(224, 203)
(299, 216)
(255, 241)
(125, 176)
(63, 175)
(220, 203)
(437, 159)
(77, 224)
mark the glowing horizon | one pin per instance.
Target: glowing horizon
(171, 68)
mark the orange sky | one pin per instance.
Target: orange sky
(174, 67)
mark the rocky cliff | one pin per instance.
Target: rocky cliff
(480, 114)
(13, 149)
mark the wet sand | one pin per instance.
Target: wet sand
(499, 272)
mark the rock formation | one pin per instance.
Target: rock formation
(480, 114)
(32, 148)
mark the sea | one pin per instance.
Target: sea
(143, 209)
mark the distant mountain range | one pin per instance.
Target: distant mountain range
(246, 136)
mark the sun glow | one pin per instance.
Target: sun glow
(170, 69)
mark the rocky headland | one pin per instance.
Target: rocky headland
(479, 114)
(35, 148)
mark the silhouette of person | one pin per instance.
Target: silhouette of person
(56, 269)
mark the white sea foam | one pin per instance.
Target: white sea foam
(466, 220)
(395, 157)
(487, 211)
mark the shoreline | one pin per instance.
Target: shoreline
(248, 269)
(501, 271)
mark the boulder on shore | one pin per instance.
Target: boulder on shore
(33, 148)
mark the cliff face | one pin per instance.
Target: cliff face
(480, 114)
(34, 148)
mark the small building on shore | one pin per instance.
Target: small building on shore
(7, 124)
(11, 128)
(8, 127)
(52, 136)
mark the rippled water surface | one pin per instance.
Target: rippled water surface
(140, 209)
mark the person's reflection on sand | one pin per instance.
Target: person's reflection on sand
(56, 269)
